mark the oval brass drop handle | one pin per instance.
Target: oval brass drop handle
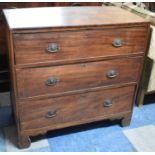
(53, 48)
(107, 103)
(118, 42)
(51, 114)
(112, 74)
(51, 81)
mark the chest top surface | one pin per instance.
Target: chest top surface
(49, 17)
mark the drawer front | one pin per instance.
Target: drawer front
(77, 45)
(67, 110)
(67, 78)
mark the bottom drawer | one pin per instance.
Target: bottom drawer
(70, 110)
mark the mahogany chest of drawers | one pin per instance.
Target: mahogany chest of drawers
(72, 66)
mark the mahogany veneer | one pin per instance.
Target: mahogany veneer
(73, 66)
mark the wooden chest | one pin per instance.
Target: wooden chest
(72, 66)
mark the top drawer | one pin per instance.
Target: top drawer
(77, 45)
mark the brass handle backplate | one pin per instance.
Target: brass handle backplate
(53, 48)
(118, 42)
(112, 74)
(107, 103)
(50, 114)
(51, 81)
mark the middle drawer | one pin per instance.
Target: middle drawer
(67, 78)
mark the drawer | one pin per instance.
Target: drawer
(60, 79)
(77, 45)
(67, 110)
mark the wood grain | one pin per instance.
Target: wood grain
(31, 48)
(31, 82)
(75, 108)
(69, 17)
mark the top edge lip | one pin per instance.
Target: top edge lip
(64, 19)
